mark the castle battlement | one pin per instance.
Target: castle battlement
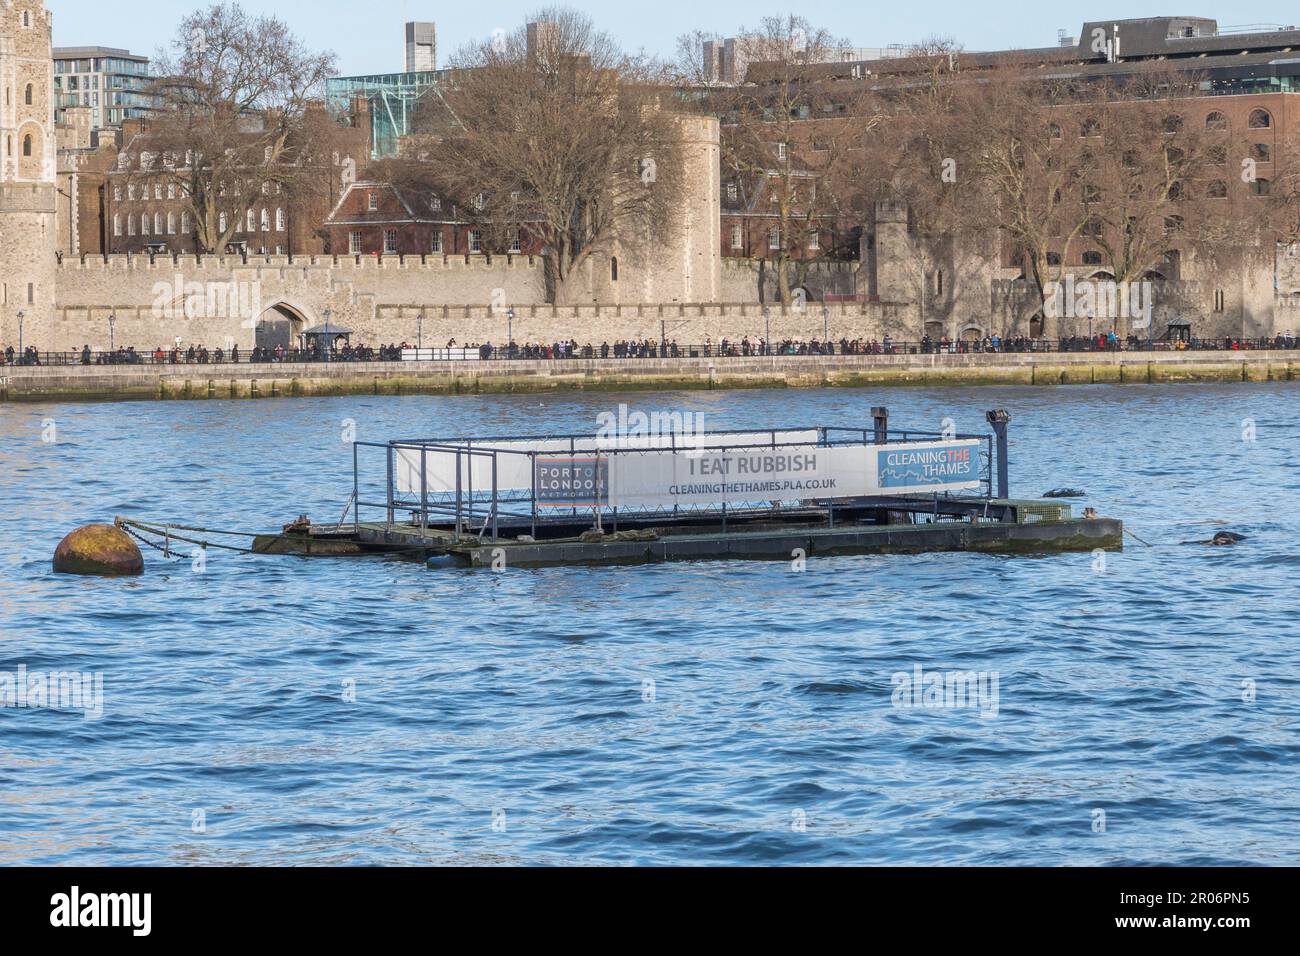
(341, 265)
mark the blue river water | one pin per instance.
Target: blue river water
(378, 711)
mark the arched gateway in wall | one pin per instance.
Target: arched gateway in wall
(280, 326)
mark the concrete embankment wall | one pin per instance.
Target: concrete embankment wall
(468, 377)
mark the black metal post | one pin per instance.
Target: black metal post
(880, 420)
(999, 418)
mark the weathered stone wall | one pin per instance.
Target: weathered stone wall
(154, 303)
(275, 380)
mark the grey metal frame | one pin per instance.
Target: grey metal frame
(465, 507)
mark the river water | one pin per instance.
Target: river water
(1141, 708)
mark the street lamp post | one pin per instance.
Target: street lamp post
(767, 331)
(22, 356)
(112, 321)
(510, 331)
(419, 333)
(826, 323)
(328, 342)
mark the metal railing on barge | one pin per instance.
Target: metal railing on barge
(480, 510)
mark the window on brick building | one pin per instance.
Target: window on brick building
(1260, 119)
(117, 225)
(475, 241)
(1216, 120)
(130, 191)
(435, 244)
(158, 224)
(732, 192)
(144, 224)
(814, 240)
(185, 223)
(774, 237)
(171, 224)
(266, 220)
(27, 95)
(516, 242)
(390, 242)
(157, 190)
(279, 220)
(171, 190)
(130, 225)
(117, 194)
(373, 201)
(354, 243)
(737, 238)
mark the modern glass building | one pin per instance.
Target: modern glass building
(392, 98)
(111, 82)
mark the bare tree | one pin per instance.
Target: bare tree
(234, 118)
(554, 127)
(792, 139)
(921, 155)
(1030, 154)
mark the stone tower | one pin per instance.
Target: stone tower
(27, 173)
(683, 263)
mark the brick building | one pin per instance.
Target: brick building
(146, 207)
(375, 218)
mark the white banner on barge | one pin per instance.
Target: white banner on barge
(736, 471)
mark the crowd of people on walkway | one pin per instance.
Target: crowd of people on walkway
(638, 349)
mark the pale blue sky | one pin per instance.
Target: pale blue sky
(367, 34)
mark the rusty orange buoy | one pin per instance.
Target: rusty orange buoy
(101, 550)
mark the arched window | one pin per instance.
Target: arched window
(1216, 120)
(613, 268)
(1092, 258)
(266, 221)
(27, 145)
(1090, 127)
(171, 224)
(1260, 119)
(279, 220)
(144, 224)
(27, 95)
(185, 223)
(157, 224)
(1217, 189)
(27, 19)
(1053, 131)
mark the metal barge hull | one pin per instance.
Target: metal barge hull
(771, 544)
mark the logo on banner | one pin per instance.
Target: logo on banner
(572, 481)
(928, 467)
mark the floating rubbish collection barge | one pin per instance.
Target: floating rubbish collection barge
(520, 501)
